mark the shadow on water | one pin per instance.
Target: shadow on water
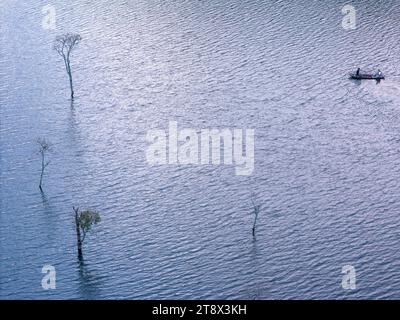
(74, 131)
(89, 282)
(73, 122)
(46, 203)
(254, 248)
(72, 118)
(49, 217)
(356, 82)
(260, 287)
(45, 200)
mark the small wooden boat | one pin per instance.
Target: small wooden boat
(367, 76)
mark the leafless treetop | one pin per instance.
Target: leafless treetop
(44, 145)
(65, 43)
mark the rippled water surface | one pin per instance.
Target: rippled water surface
(327, 165)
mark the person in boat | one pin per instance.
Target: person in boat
(358, 72)
(379, 73)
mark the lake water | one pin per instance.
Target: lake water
(327, 165)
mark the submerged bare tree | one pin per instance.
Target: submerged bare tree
(64, 45)
(84, 221)
(256, 211)
(44, 147)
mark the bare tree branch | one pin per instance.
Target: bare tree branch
(64, 45)
(45, 146)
